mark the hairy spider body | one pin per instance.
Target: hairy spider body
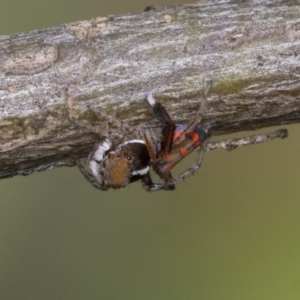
(115, 166)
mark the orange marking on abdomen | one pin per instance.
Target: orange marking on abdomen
(169, 157)
(183, 151)
(177, 134)
(194, 136)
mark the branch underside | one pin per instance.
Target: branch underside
(249, 49)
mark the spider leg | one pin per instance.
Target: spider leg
(96, 121)
(83, 167)
(230, 145)
(153, 147)
(145, 133)
(250, 140)
(150, 186)
(190, 171)
(90, 166)
(164, 118)
(198, 118)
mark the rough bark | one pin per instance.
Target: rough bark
(250, 49)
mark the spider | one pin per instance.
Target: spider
(115, 166)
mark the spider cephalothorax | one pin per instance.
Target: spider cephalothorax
(115, 166)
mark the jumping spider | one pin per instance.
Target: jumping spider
(115, 166)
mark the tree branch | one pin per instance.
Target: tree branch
(250, 49)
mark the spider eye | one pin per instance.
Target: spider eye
(129, 157)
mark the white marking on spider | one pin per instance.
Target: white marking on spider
(140, 172)
(132, 141)
(150, 99)
(99, 153)
(97, 158)
(94, 168)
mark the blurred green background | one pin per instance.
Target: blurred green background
(230, 232)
